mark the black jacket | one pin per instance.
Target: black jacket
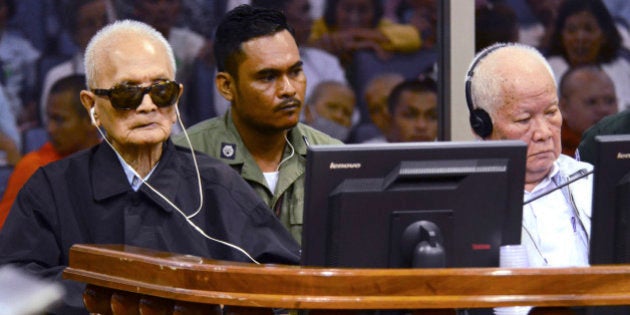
(86, 198)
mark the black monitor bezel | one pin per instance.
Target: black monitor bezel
(318, 184)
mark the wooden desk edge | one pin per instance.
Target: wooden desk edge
(199, 280)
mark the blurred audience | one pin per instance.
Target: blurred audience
(420, 13)
(188, 46)
(494, 23)
(330, 109)
(538, 34)
(585, 33)
(69, 130)
(18, 59)
(84, 18)
(351, 25)
(587, 94)
(413, 108)
(10, 140)
(376, 93)
(620, 10)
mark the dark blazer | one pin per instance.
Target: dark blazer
(86, 198)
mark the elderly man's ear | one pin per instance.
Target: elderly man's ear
(87, 99)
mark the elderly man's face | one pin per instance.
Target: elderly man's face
(135, 62)
(530, 113)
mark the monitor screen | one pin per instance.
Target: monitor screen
(610, 231)
(401, 205)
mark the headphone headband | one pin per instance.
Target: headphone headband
(480, 120)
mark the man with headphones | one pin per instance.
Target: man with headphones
(136, 187)
(511, 94)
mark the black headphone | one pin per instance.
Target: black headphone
(480, 120)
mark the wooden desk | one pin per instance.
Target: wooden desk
(127, 278)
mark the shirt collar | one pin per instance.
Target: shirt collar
(547, 181)
(134, 180)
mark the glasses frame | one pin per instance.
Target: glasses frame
(143, 90)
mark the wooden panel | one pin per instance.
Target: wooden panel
(193, 279)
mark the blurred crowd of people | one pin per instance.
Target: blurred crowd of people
(34, 56)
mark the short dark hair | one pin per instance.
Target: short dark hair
(240, 25)
(612, 39)
(73, 84)
(422, 85)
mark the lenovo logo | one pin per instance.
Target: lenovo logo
(335, 166)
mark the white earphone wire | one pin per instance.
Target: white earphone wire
(186, 217)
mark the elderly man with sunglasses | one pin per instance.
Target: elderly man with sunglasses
(137, 187)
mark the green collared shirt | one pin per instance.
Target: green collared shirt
(219, 138)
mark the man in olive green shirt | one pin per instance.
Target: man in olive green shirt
(260, 74)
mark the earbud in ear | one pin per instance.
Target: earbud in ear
(92, 117)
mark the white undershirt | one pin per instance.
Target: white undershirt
(272, 179)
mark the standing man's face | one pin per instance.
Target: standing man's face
(268, 92)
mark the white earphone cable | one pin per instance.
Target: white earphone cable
(186, 217)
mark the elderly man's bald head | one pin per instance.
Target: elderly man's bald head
(502, 67)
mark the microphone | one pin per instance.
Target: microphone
(572, 178)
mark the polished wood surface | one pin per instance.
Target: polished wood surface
(171, 279)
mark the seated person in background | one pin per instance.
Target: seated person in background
(586, 96)
(351, 25)
(494, 23)
(412, 105)
(538, 34)
(330, 109)
(69, 130)
(188, 46)
(514, 96)
(585, 33)
(260, 136)
(10, 140)
(83, 19)
(376, 93)
(18, 62)
(136, 187)
(617, 124)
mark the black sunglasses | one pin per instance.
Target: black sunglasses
(125, 96)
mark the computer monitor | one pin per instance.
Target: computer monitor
(610, 229)
(401, 205)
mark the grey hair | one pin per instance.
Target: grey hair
(487, 82)
(110, 36)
